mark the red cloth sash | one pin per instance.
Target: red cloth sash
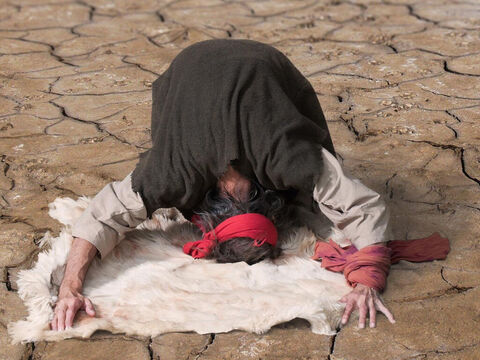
(370, 265)
(252, 225)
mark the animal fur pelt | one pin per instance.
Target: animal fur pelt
(148, 286)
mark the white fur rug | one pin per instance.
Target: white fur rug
(148, 286)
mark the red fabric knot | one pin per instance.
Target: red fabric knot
(200, 248)
(252, 225)
(370, 265)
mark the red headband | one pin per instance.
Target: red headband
(255, 226)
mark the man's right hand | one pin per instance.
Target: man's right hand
(70, 298)
(68, 303)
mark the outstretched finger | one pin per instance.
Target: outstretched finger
(69, 317)
(53, 324)
(347, 312)
(372, 312)
(362, 315)
(89, 309)
(61, 319)
(384, 310)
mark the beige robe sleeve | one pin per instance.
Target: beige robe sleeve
(359, 212)
(115, 210)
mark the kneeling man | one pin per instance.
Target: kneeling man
(236, 129)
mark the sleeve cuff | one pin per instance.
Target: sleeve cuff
(94, 233)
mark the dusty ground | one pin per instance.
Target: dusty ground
(399, 82)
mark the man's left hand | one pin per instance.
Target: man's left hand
(366, 299)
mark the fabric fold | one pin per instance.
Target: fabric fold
(370, 265)
(252, 225)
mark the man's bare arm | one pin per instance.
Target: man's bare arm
(70, 298)
(362, 216)
(115, 210)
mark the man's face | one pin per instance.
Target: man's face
(235, 184)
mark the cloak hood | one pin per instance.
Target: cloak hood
(230, 101)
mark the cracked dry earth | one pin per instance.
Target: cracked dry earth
(399, 82)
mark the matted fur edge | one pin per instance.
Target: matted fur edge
(152, 246)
